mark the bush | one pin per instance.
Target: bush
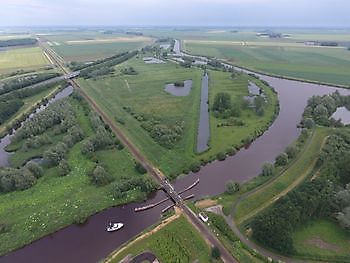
(195, 167)
(292, 151)
(232, 187)
(35, 169)
(221, 156)
(63, 168)
(100, 177)
(140, 169)
(268, 170)
(215, 253)
(281, 159)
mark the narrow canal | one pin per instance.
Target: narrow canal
(90, 242)
(203, 134)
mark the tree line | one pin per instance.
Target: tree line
(18, 42)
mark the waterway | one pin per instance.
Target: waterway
(90, 242)
(203, 134)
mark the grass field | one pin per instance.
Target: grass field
(178, 241)
(144, 94)
(54, 201)
(331, 65)
(285, 182)
(22, 58)
(93, 45)
(322, 238)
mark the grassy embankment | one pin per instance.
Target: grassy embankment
(178, 241)
(22, 58)
(55, 202)
(296, 173)
(144, 94)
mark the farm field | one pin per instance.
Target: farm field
(322, 238)
(329, 65)
(287, 56)
(290, 178)
(178, 241)
(134, 100)
(88, 46)
(22, 58)
(56, 201)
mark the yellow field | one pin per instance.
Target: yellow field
(22, 58)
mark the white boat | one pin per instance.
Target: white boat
(114, 226)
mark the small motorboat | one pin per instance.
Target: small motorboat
(114, 226)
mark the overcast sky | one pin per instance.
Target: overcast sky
(177, 12)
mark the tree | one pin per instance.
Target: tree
(63, 168)
(309, 123)
(35, 169)
(291, 151)
(232, 187)
(140, 169)
(344, 218)
(221, 156)
(222, 102)
(281, 159)
(100, 176)
(215, 252)
(268, 169)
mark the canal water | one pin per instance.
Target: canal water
(203, 134)
(90, 242)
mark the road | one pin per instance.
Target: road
(167, 187)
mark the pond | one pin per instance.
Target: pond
(179, 91)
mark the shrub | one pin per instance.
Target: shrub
(100, 176)
(35, 169)
(281, 159)
(63, 168)
(291, 151)
(221, 156)
(268, 170)
(232, 187)
(195, 167)
(140, 169)
(215, 252)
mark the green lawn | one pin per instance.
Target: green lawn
(179, 242)
(22, 58)
(144, 94)
(55, 202)
(285, 182)
(322, 238)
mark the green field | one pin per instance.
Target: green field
(330, 65)
(179, 242)
(93, 45)
(22, 58)
(144, 96)
(55, 201)
(322, 238)
(295, 174)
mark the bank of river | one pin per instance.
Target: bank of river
(90, 242)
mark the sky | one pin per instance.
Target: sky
(307, 13)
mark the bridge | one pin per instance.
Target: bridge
(156, 173)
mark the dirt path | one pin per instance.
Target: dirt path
(127, 85)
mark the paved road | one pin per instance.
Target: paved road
(168, 188)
